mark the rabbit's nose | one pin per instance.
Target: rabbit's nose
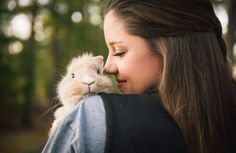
(88, 79)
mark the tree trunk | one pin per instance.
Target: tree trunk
(30, 74)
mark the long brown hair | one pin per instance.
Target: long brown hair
(196, 86)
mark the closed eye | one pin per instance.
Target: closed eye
(118, 54)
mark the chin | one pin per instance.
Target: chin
(127, 92)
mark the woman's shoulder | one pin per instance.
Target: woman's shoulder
(135, 103)
(105, 100)
(132, 120)
(83, 128)
(89, 109)
(130, 98)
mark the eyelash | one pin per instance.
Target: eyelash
(118, 53)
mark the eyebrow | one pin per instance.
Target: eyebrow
(115, 42)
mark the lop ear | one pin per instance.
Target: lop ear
(99, 59)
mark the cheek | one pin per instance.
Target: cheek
(127, 69)
(144, 70)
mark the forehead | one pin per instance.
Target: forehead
(84, 65)
(114, 27)
(111, 19)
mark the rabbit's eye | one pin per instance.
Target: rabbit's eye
(98, 72)
(73, 75)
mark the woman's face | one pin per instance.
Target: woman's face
(134, 65)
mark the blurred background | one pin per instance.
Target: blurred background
(37, 40)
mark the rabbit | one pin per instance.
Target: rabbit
(84, 77)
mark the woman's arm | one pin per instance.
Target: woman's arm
(82, 131)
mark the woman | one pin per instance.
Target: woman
(170, 59)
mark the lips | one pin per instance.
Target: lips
(121, 83)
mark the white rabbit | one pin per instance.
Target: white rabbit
(84, 76)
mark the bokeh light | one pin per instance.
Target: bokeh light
(21, 26)
(76, 17)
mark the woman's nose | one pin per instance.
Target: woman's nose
(110, 68)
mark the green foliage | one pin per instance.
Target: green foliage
(11, 79)
(44, 55)
(54, 40)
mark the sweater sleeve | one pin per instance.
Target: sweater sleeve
(82, 131)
